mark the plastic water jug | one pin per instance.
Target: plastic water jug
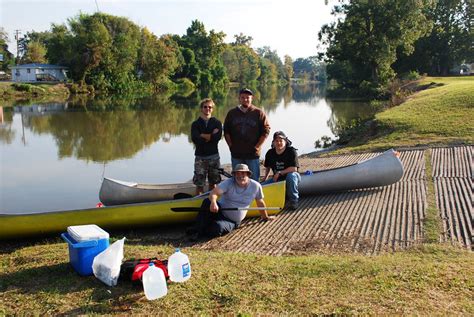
(179, 268)
(154, 282)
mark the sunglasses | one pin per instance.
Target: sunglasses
(207, 107)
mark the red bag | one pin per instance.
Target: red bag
(133, 269)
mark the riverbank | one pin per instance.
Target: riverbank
(19, 93)
(440, 115)
(424, 279)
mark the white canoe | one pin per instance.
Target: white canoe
(115, 192)
(382, 170)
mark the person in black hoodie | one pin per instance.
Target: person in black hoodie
(206, 133)
(282, 159)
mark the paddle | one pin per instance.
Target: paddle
(196, 209)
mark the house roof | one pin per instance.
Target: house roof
(38, 65)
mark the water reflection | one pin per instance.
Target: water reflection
(54, 155)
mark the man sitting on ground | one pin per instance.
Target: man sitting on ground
(236, 192)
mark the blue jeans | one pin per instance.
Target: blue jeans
(253, 164)
(292, 181)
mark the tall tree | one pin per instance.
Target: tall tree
(288, 68)
(35, 53)
(448, 44)
(363, 42)
(8, 58)
(241, 39)
(207, 49)
(272, 56)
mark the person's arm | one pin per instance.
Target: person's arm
(216, 134)
(287, 170)
(213, 195)
(196, 134)
(228, 139)
(263, 213)
(265, 131)
(267, 173)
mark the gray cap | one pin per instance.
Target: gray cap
(241, 168)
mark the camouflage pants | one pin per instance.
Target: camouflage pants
(206, 168)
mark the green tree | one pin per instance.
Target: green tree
(8, 58)
(269, 72)
(157, 59)
(207, 49)
(288, 68)
(271, 55)
(35, 53)
(363, 42)
(241, 39)
(449, 43)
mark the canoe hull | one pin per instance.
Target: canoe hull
(382, 170)
(123, 216)
(114, 192)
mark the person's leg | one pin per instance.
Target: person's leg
(213, 176)
(268, 181)
(236, 161)
(200, 171)
(292, 193)
(220, 227)
(254, 166)
(203, 219)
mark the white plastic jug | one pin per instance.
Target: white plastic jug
(154, 282)
(179, 268)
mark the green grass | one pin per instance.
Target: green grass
(441, 115)
(11, 93)
(432, 279)
(37, 279)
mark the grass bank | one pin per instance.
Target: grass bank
(13, 93)
(442, 114)
(433, 279)
(36, 279)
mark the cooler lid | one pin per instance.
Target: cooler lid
(87, 232)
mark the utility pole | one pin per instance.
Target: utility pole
(17, 38)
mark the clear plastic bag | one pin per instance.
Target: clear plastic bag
(106, 265)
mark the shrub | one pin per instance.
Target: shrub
(23, 87)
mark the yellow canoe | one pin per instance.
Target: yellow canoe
(122, 216)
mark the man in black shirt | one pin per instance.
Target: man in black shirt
(206, 133)
(282, 159)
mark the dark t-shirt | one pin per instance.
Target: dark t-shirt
(245, 129)
(199, 126)
(278, 162)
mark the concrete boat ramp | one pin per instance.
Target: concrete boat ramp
(373, 220)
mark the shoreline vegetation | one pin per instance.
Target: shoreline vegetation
(432, 278)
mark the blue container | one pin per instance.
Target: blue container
(82, 254)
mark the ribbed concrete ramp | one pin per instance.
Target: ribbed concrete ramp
(453, 180)
(366, 221)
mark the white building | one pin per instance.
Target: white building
(38, 72)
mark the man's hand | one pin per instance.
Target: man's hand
(206, 136)
(214, 207)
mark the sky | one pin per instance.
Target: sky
(288, 26)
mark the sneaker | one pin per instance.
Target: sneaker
(292, 205)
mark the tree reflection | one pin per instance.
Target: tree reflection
(107, 129)
(7, 134)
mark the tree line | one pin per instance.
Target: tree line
(373, 42)
(113, 54)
